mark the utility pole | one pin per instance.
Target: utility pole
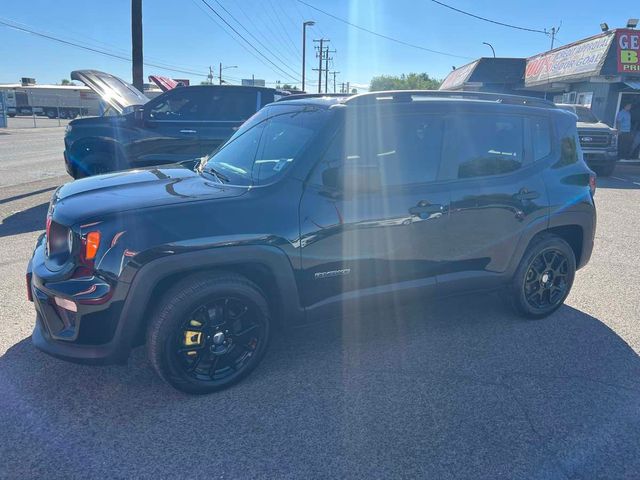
(326, 68)
(220, 74)
(137, 72)
(553, 33)
(320, 56)
(210, 76)
(348, 91)
(334, 73)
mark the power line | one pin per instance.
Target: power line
(386, 37)
(94, 50)
(273, 40)
(247, 42)
(489, 20)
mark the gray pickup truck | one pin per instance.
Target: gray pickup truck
(598, 140)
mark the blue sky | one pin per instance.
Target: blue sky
(179, 33)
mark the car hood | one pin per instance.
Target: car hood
(593, 126)
(114, 91)
(93, 197)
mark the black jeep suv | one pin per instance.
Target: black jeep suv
(316, 207)
(180, 124)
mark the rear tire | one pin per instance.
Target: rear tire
(210, 331)
(544, 277)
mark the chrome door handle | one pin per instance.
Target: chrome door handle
(188, 131)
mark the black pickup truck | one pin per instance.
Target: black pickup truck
(598, 140)
(180, 124)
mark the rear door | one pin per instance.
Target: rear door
(360, 243)
(227, 109)
(497, 188)
(170, 132)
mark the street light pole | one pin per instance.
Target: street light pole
(491, 47)
(220, 71)
(306, 24)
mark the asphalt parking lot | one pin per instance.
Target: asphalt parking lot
(460, 388)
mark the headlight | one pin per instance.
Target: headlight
(68, 129)
(614, 139)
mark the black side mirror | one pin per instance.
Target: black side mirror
(353, 178)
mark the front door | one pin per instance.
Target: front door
(497, 190)
(359, 241)
(171, 130)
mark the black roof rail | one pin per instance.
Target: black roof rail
(297, 96)
(412, 95)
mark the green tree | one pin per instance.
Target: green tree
(412, 81)
(286, 86)
(66, 81)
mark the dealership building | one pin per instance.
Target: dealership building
(601, 72)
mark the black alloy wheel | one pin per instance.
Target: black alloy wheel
(546, 283)
(208, 332)
(218, 339)
(544, 277)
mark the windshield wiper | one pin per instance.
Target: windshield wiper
(222, 178)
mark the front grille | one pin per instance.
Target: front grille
(594, 140)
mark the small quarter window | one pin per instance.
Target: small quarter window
(540, 137)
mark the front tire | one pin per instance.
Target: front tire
(606, 170)
(544, 277)
(209, 333)
(95, 163)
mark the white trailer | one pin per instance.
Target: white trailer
(64, 101)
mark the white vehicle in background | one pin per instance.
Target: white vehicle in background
(53, 101)
(57, 101)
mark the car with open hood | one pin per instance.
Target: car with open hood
(182, 123)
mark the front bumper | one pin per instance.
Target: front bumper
(88, 335)
(598, 157)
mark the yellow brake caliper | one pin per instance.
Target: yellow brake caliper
(193, 337)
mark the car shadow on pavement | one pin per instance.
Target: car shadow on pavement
(460, 388)
(28, 220)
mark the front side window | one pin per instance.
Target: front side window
(183, 104)
(483, 145)
(268, 144)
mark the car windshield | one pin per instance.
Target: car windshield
(266, 145)
(585, 115)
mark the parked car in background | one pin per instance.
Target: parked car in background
(315, 208)
(598, 140)
(180, 124)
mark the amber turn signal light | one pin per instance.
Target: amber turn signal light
(92, 242)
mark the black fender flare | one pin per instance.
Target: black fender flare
(148, 276)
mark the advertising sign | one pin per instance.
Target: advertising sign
(581, 59)
(628, 51)
(458, 76)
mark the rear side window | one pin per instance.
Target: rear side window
(405, 149)
(483, 145)
(231, 106)
(540, 137)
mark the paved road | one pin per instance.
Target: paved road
(455, 389)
